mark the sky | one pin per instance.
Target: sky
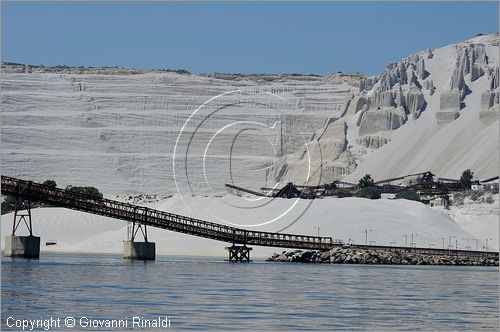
(236, 37)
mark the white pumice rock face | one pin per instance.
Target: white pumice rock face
(457, 82)
(435, 109)
(429, 85)
(382, 119)
(487, 99)
(421, 72)
(429, 53)
(372, 142)
(476, 72)
(494, 79)
(414, 103)
(450, 101)
(117, 130)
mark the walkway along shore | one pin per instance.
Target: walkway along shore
(372, 256)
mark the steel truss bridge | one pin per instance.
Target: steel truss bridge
(28, 192)
(36, 192)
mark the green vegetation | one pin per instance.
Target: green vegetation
(50, 183)
(476, 194)
(331, 186)
(177, 71)
(366, 181)
(408, 194)
(8, 204)
(342, 192)
(489, 200)
(65, 67)
(370, 192)
(466, 179)
(91, 191)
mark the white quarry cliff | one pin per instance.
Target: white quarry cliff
(434, 110)
(118, 131)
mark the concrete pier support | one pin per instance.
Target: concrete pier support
(239, 253)
(22, 246)
(139, 250)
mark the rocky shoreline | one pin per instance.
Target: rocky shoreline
(364, 256)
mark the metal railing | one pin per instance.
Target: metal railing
(37, 192)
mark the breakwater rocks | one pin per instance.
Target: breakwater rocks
(372, 256)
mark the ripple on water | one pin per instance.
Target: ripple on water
(208, 294)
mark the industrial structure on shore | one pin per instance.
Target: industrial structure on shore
(432, 190)
(26, 193)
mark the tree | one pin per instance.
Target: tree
(408, 194)
(466, 179)
(331, 186)
(366, 181)
(343, 192)
(50, 183)
(91, 191)
(369, 192)
(8, 204)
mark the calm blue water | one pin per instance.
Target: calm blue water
(212, 294)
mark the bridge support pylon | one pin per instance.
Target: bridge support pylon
(22, 246)
(138, 250)
(238, 253)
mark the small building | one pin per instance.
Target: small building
(436, 200)
(476, 186)
(490, 184)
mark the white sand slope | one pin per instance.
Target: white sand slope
(445, 149)
(479, 219)
(344, 218)
(441, 116)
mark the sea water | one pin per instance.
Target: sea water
(210, 293)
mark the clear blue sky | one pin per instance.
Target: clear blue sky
(236, 37)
